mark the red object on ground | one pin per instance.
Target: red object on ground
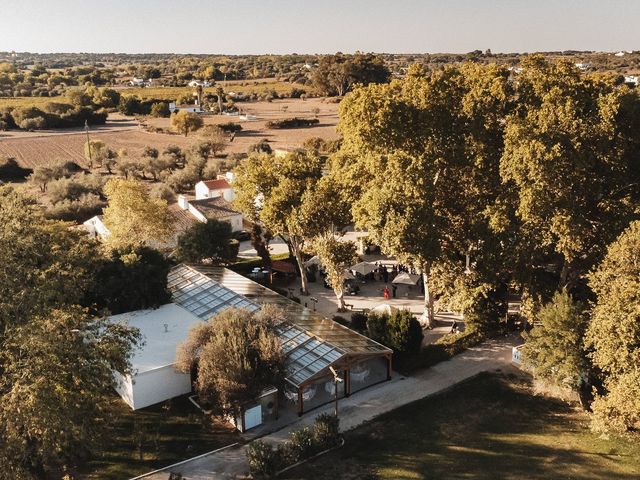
(386, 293)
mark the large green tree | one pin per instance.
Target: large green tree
(284, 195)
(555, 346)
(56, 362)
(613, 335)
(212, 240)
(421, 156)
(237, 354)
(132, 217)
(571, 154)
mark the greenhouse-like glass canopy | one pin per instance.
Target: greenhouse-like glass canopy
(310, 342)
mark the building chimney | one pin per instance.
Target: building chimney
(183, 203)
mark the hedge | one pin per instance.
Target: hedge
(292, 123)
(266, 461)
(443, 349)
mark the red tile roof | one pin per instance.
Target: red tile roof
(219, 184)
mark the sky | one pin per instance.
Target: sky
(317, 26)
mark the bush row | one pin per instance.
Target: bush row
(52, 115)
(443, 349)
(292, 123)
(265, 461)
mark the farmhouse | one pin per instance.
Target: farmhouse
(312, 343)
(212, 208)
(214, 188)
(195, 108)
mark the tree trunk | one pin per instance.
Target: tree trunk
(340, 296)
(564, 274)
(428, 296)
(304, 288)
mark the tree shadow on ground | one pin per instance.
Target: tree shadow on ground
(491, 427)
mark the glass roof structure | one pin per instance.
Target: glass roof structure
(197, 294)
(311, 342)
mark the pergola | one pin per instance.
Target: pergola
(311, 342)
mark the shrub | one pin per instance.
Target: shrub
(160, 109)
(292, 123)
(404, 332)
(341, 320)
(326, 431)
(359, 322)
(163, 192)
(263, 460)
(301, 444)
(35, 123)
(261, 147)
(377, 328)
(443, 349)
(230, 127)
(10, 171)
(80, 210)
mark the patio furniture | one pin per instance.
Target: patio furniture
(307, 394)
(359, 373)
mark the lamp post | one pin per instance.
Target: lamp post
(337, 379)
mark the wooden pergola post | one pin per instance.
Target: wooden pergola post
(347, 381)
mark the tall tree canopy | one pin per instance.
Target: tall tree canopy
(613, 335)
(571, 152)
(132, 217)
(287, 196)
(55, 361)
(336, 74)
(422, 155)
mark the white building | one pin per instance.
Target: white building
(312, 345)
(215, 188)
(195, 108)
(200, 83)
(96, 228)
(154, 377)
(631, 80)
(139, 82)
(212, 208)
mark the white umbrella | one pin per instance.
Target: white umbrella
(348, 275)
(363, 268)
(384, 308)
(315, 260)
(405, 278)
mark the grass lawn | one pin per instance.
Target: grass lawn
(491, 427)
(168, 433)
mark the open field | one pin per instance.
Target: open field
(167, 433)
(491, 427)
(260, 85)
(35, 148)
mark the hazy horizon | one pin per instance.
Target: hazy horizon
(253, 27)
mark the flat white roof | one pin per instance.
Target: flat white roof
(159, 349)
